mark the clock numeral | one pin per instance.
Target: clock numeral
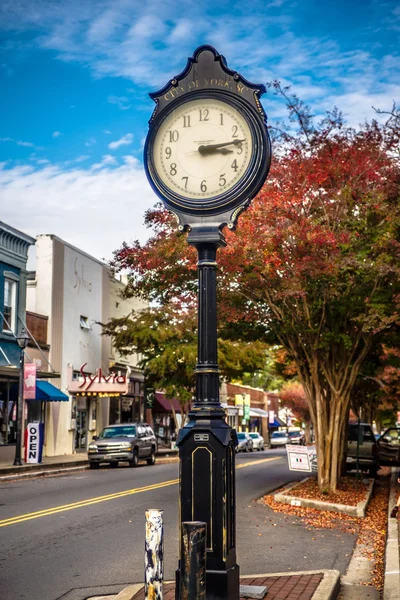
(173, 136)
(186, 181)
(222, 180)
(203, 186)
(204, 114)
(168, 152)
(172, 170)
(239, 148)
(234, 165)
(235, 131)
(221, 116)
(186, 121)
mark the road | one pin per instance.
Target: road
(86, 530)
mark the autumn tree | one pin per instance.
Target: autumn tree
(314, 263)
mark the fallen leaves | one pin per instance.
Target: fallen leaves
(349, 491)
(371, 530)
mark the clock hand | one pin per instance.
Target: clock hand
(211, 147)
(216, 151)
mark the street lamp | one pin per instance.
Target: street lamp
(23, 340)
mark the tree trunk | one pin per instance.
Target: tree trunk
(330, 415)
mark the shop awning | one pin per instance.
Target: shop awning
(163, 404)
(47, 392)
(277, 423)
(258, 412)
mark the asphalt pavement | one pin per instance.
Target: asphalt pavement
(85, 530)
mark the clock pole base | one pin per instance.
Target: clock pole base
(220, 585)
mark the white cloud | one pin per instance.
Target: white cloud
(107, 161)
(121, 101)
(93, 209)
(18, 142)
(56, 134)
(124, 141)
(90, 142)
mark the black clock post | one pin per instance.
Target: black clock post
(207, 443)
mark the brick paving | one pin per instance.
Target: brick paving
(282, 587)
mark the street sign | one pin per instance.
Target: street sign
(301, 458)
(150, 397)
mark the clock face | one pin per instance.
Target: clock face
(202, 149)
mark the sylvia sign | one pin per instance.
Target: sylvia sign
(98, 382)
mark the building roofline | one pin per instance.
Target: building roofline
(17, 233)
(58, 239)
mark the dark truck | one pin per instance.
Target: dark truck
(371, 453)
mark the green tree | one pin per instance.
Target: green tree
(166, 340)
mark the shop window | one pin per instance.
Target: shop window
(10, 306)
(84, 322)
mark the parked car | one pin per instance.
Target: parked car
(279, 439)
(245, 443)
(128, 442)
(296, 437)
(258, 440)
(372, 453)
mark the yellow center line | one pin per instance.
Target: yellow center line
(257, 462)
(82, 503)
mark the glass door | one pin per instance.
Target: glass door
(81, 431)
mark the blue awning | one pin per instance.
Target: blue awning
(277, 423)
(47, 392)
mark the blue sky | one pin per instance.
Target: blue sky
(75, 77)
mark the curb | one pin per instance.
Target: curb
(354, 511)
(327, 589)
(391, 586)
(41, 471)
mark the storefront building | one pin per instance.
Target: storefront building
(14, 247)
(77, 293)
(250, 409)
(167, 419)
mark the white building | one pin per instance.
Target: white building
(77, 292)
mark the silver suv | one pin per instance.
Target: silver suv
(127, 442)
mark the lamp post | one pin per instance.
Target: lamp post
(22, 339)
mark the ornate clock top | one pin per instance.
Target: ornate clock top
(208, 70)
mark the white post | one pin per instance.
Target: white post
(154, 555)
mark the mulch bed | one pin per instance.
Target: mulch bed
(350, 491)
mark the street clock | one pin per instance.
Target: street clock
(207, 152)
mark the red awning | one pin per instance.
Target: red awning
(163, 404)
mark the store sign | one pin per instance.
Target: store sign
(33, 443)
(30, 381)
(97, 383)
(271, 416)
(150, 397)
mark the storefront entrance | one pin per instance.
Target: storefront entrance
(81, 431)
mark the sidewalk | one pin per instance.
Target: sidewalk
(52, 465)
(308, 585)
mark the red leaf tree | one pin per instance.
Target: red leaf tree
(314, 264)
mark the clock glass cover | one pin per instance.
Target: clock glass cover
(202, 149)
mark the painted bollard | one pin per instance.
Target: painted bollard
(193, 561)
(154, 555)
